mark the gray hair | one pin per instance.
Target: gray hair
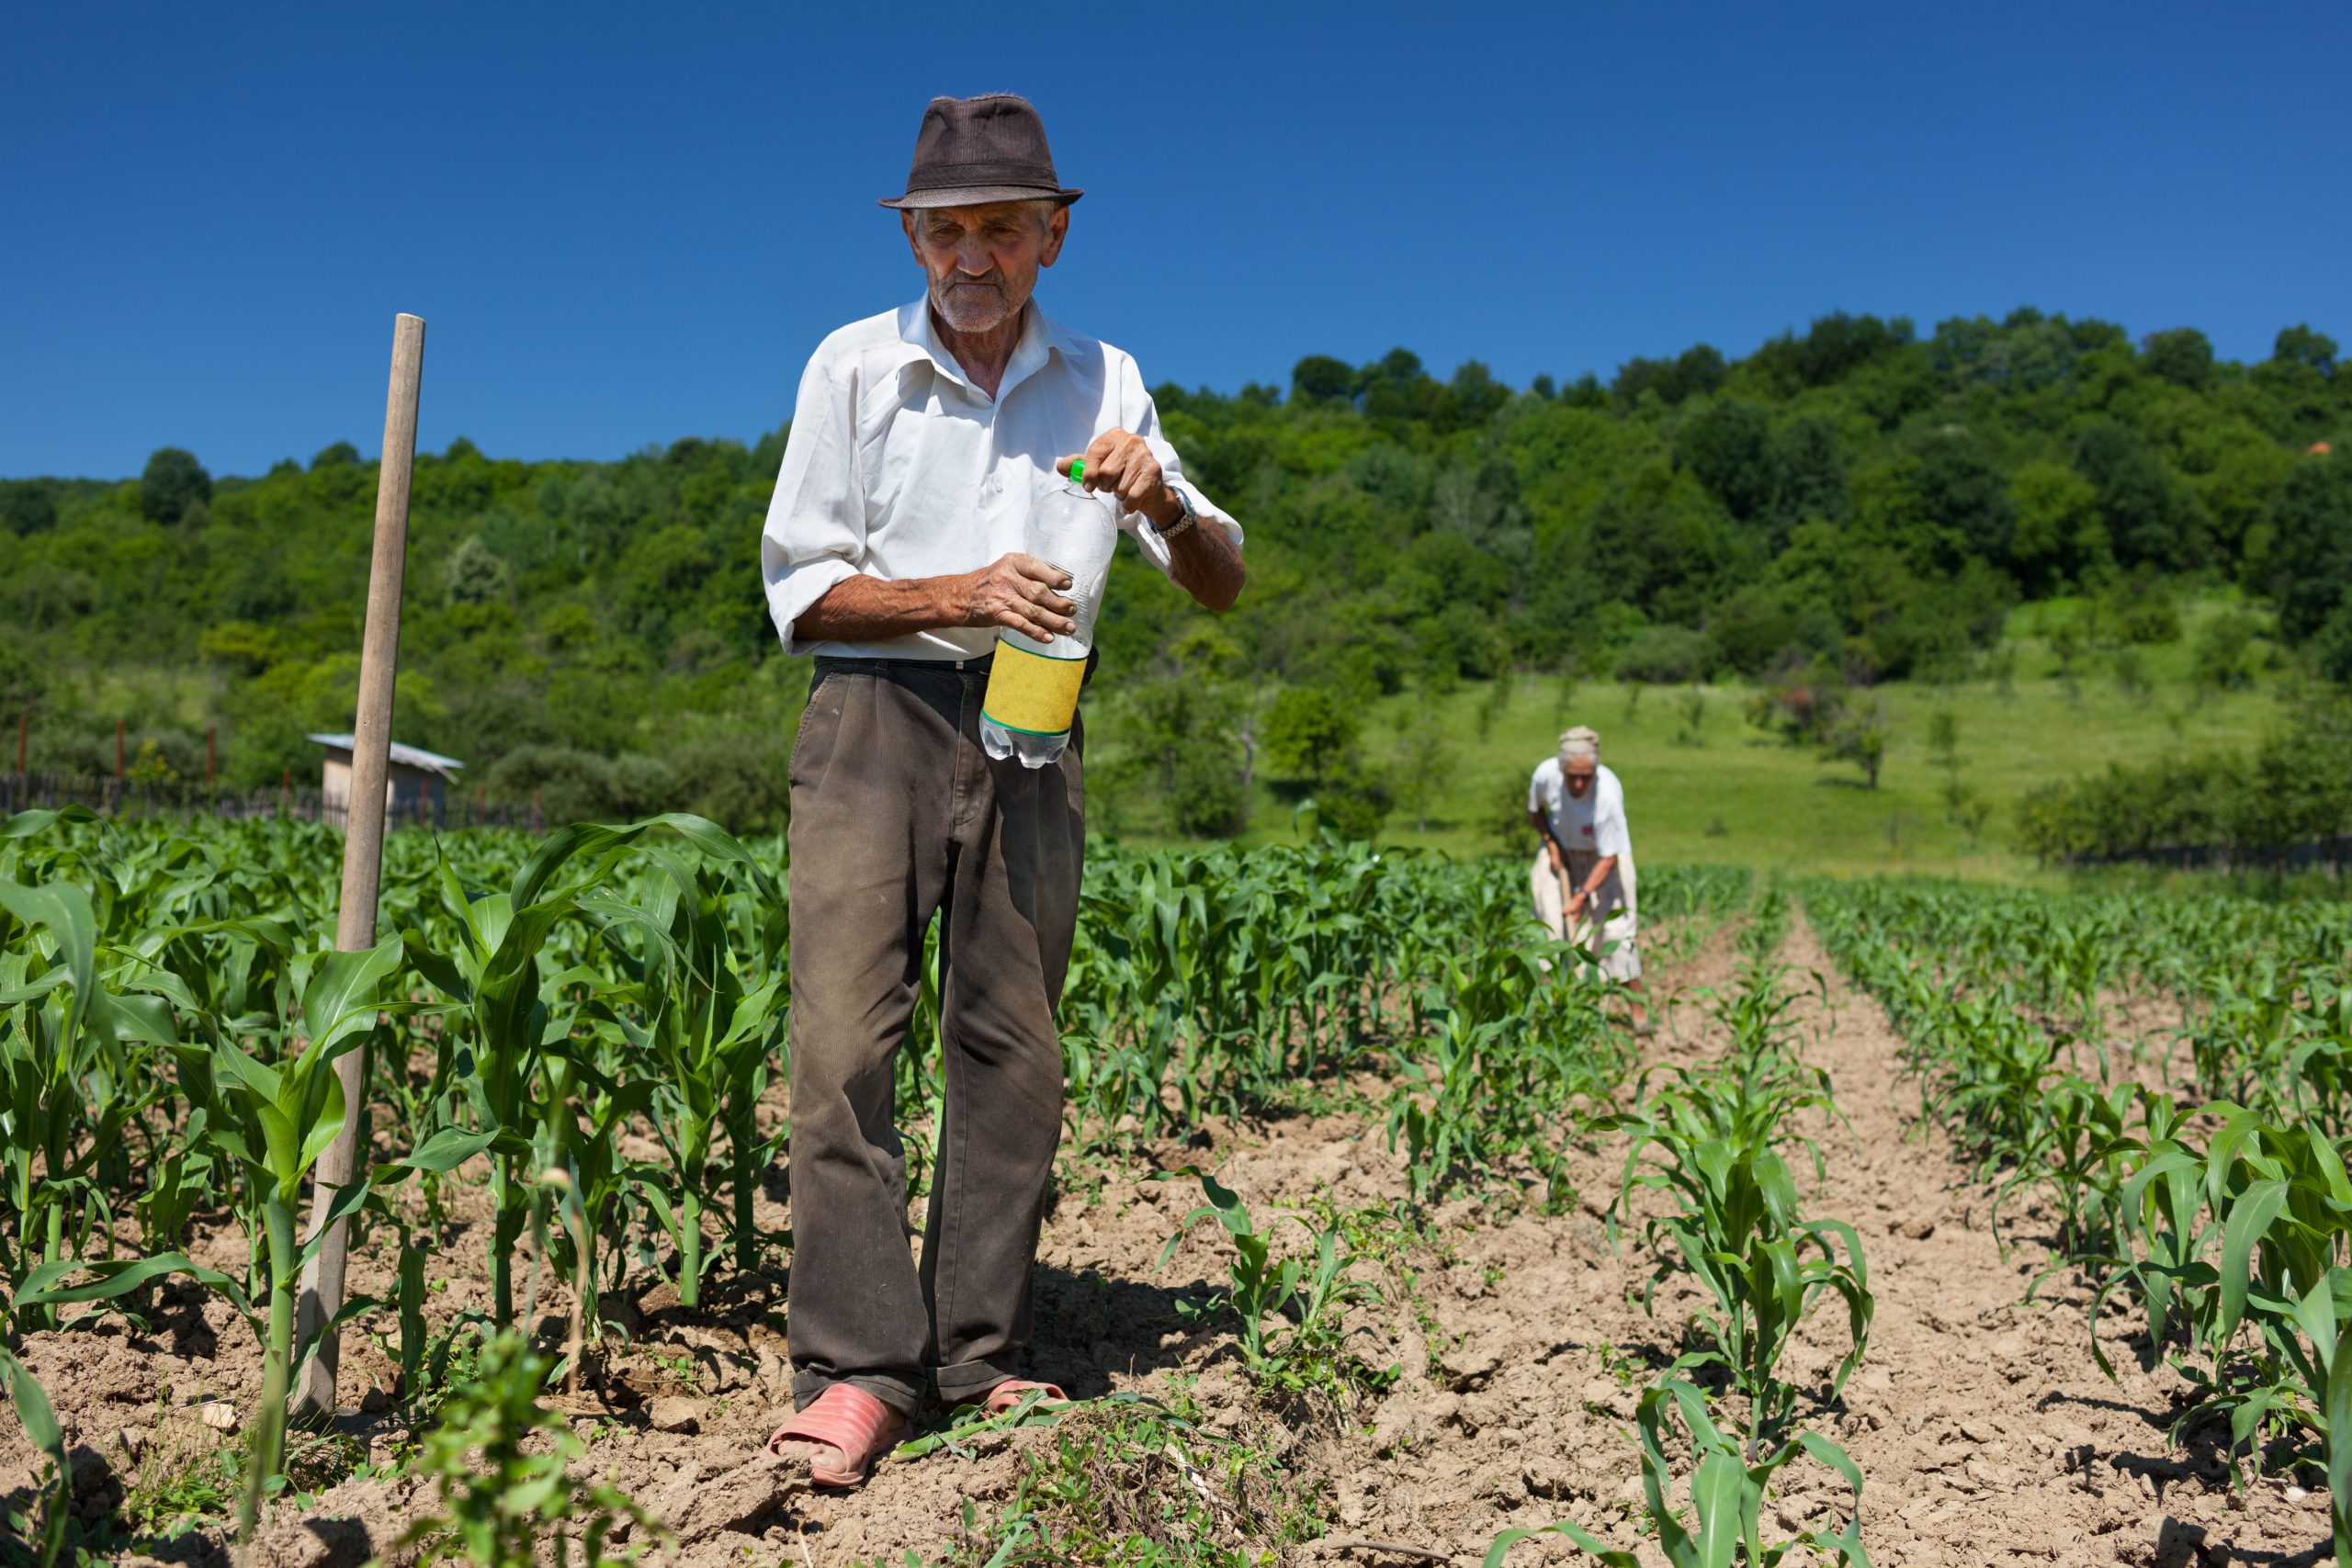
(1581, 744)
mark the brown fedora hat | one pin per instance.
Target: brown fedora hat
(971, 150)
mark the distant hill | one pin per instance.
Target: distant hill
(1856, 497)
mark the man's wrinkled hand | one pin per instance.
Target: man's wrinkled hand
(1120, 463)
(1021, 593)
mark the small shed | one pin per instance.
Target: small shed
(416, 784)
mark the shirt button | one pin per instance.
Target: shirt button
(998, 484)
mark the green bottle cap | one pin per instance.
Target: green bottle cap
(1078, 471)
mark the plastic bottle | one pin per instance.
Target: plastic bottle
(1031, 697)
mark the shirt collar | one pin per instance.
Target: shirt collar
(1040, 339)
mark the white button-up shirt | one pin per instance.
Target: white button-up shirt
(1589, 827)
(897, 466)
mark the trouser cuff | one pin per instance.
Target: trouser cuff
(901, 1392)
(967, 1382)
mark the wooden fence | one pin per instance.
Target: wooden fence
(115, 797)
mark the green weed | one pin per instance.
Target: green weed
(1288, 1309)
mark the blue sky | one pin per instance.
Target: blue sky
(628, 224)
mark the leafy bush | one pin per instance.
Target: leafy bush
(2147, 619)
(1205, 797)
(642, 785)
(1354, 803)
(2224, 655)
(741, 783)
(1667, 656)
(571, 785)
(1752, 628)
(574, 786)
(1858, 736)
(1308, 728)
(474, 574)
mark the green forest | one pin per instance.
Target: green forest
(1846, 507)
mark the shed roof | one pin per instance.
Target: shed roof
(408, 756)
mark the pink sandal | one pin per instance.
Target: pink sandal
(849, 1421)
(1013, 1390)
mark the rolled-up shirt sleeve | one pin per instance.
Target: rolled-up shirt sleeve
(815, 537)
(1143, 418)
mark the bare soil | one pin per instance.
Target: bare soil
(1986, 1433)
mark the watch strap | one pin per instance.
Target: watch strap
(1185, 516)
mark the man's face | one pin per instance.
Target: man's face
(980, 264)
(1579, 776)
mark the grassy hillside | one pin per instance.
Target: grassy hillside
(1734, 795)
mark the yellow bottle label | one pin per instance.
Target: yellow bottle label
(1034, 692)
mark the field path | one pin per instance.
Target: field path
(1985, 1432)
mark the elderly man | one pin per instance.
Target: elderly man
(1583, 876)
(892, 553)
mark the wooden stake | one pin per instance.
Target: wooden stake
(363, 845)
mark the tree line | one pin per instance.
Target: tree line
(1845, 505)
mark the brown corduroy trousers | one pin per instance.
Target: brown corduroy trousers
(897, 814)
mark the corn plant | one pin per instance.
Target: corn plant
(498, 996)
(2254, 1233)
(1769, 919)
(1710, 1141)
(1727, 1494)
(272, 1123)
(1512, 1052)
(710, 1038)
(1709, 1146)
(35, 1414)
(2082, 1147)
(1308, 1294)
(603, 1185)
(67, 1086)
(2339, 1454)
(504, 997)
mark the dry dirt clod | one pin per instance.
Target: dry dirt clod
(1390, 1548)
(1467, 1369)
(674, 1414)
(734, 1500)
(219, 1414)
(314, 1543)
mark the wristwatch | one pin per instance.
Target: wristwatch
(1185, 516)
